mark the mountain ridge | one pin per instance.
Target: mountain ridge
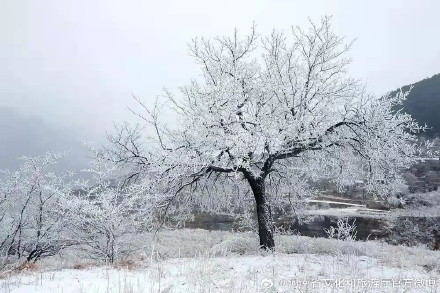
(423, 103)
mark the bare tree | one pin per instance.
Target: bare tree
(271, 112)
(31, 224)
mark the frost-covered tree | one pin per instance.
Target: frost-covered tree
(31, 224)
(267, 114)
(104, 216)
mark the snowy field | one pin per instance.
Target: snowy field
(202, 261)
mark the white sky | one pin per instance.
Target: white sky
(76, 63)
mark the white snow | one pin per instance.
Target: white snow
(233, 274)
(218, 261)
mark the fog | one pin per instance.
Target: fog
(68, 68)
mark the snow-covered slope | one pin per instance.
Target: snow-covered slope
(203, 261)
(281, 273)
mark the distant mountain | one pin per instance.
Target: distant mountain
(423, 103)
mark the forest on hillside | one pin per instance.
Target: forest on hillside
(423, 103)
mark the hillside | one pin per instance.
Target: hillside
(423, 103)
(223, 261)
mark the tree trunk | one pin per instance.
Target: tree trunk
(264, 213)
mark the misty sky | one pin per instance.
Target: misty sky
(68, 68)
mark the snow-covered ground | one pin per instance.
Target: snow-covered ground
(202, 261)
(281, 272)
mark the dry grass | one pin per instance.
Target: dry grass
(84, 266)
(194, 243)
(27, 267)
(127, 264)
(203, 261)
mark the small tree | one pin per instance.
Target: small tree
(103, 217)
(31, 225)
(272, 112)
